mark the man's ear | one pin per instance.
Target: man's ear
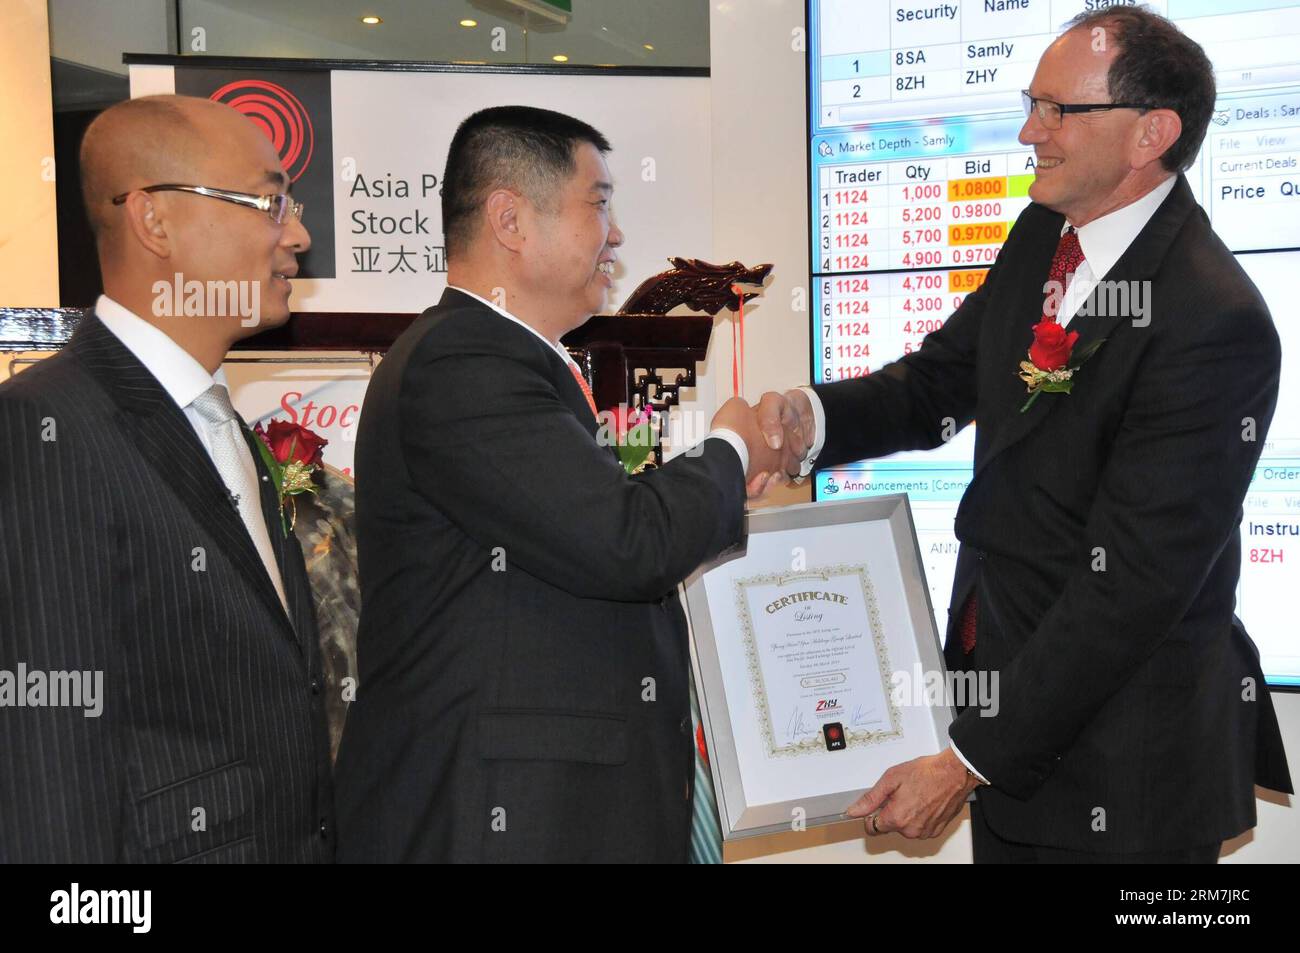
(1156, 133)
(502, 209)
(148, 225)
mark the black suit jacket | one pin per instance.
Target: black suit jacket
(1100, 533)
(523, 656)
(122, 553)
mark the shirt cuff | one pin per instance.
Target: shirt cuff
(737, 444)
(970, 767)
(819, 423)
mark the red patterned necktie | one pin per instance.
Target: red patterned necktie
(586, 391)
(968, 619)
(1066, 261)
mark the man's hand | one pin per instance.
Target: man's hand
(788, 420)
(916, 798)
(765, 471)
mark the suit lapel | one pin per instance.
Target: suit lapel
(572, 395)
(577, 401)
(1140, 262)
(561, 376)
(1006, 421)
(165, 439)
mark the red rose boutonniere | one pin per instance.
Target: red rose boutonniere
(292, 454)
(1052, 360)
(631, 432)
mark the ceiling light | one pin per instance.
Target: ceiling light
(648, 46)
(371, 20)
(560, 58)
(468, 23)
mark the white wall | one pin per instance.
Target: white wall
(759, 176)
(760, 214)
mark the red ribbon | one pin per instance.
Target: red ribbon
(738, 343)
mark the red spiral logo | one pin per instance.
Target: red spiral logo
(279, 114)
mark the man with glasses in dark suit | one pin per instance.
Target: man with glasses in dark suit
(140, 539)
(1100, 533)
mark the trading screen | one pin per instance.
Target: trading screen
(916, 176)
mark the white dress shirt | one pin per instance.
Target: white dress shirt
(184, 379)
(181, 376)
(721, 433)
(1103, 241)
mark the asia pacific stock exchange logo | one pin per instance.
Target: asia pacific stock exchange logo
(278, 113)
(293, 108)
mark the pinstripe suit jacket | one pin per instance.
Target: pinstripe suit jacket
(120, 553)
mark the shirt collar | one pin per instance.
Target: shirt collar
(1104, 239)
(181, 376)
(557, 348)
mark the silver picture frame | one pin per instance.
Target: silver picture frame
(874, 538)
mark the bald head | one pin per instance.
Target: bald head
(151, 140)
(211, 241)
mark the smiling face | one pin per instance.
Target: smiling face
(220, 241)
(571, 250)
(1082, 166)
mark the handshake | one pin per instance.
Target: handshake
(778, 432)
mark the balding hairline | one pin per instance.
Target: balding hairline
(133, 144)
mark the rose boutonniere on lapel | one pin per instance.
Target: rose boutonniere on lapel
(1053, 360)
(632, 432)
(293, 454)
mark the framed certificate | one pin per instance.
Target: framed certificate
(814, 649)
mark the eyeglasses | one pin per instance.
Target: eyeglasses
(279, 206)
(1050, 114)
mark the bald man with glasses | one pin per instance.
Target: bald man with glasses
(141, 553)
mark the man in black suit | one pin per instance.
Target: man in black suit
(139, 550)
(523, 656)
(1099, 537)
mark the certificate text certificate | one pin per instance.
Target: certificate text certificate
(817, 656)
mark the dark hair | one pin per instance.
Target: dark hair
(1160, 66)
(516, 147)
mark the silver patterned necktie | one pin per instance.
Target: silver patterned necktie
(234, 461)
